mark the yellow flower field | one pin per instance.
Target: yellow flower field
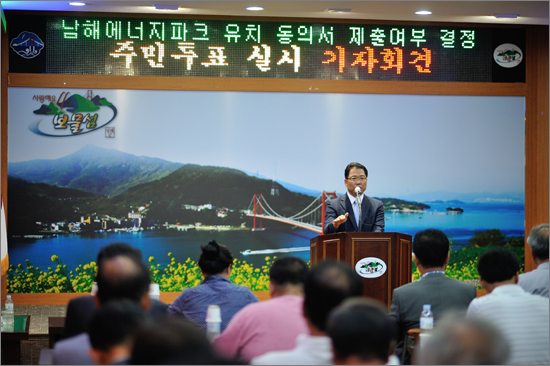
(175, 277)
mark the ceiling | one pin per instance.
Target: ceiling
(530, 12)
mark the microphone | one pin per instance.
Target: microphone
(358, 195)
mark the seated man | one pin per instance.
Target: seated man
(326, 286)
(271, 325)
(431, 255)
(81, 309)
(112, 329)
(173, 341)
(460, 341)
(522, 317)
(120, 277)
(537, 281)
(361, 332)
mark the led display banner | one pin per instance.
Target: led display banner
(99, 45)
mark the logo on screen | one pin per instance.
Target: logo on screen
(72, 115)
(508, 55)
(27, 45)
(370, 267)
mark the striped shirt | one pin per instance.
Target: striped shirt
(214, 290)
(537, 281)
(522, 318)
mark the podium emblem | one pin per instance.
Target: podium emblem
(371, 267)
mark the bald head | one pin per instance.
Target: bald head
(122, 277)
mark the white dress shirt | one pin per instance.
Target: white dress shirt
(522, 318)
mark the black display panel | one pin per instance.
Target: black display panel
(99, 45)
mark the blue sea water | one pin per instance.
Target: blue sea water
(276, 240)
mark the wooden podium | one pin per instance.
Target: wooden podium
(368, 254)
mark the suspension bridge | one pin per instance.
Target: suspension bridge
(310, 218)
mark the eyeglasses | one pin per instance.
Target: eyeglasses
(358, 179)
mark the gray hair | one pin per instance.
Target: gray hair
(464, 341)
(538, 241)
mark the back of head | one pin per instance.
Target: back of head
(114, 249)
(122, 277)
(538, 241)
(497, 265)
(431, 248)
(464, 341)
(214, 258)
(361, 328)
(171, 341)
(350, 166)
(288, 270)
(327, 285)
(115, 324)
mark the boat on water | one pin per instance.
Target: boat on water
(271, 251)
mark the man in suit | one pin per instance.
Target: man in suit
(348, 214)
(81, 309)
(537, 281)
(431, 255)
(120, 277)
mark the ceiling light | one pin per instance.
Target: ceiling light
(77, 4)
(506, 16)
(423, 12)
(254, 8)
(166, 7)
(339, 10)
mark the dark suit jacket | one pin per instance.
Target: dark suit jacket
(372, 212)
(81, 309)
(441, 292)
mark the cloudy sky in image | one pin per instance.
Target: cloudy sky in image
(409, 143)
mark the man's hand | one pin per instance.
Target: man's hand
(339, 220)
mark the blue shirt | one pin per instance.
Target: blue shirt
(214, 290)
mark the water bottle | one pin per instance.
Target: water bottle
(7, 315)
(426, 317)
(213, 322)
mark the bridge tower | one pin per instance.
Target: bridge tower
(258, 203)
(324, 206)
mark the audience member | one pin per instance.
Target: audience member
(271, 325)
(460, 341)
(325, 287)
(537, 281)
(112, 329)
(81, 309)
(119, 277)
(172, 341)
(215, 263)
(431, 255)
(522, 317)
(361, 332)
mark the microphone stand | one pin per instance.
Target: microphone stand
(359, 197)
(360, 216)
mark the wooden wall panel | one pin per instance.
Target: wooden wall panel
(536, 134)
(264, 85)
(4, 138)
